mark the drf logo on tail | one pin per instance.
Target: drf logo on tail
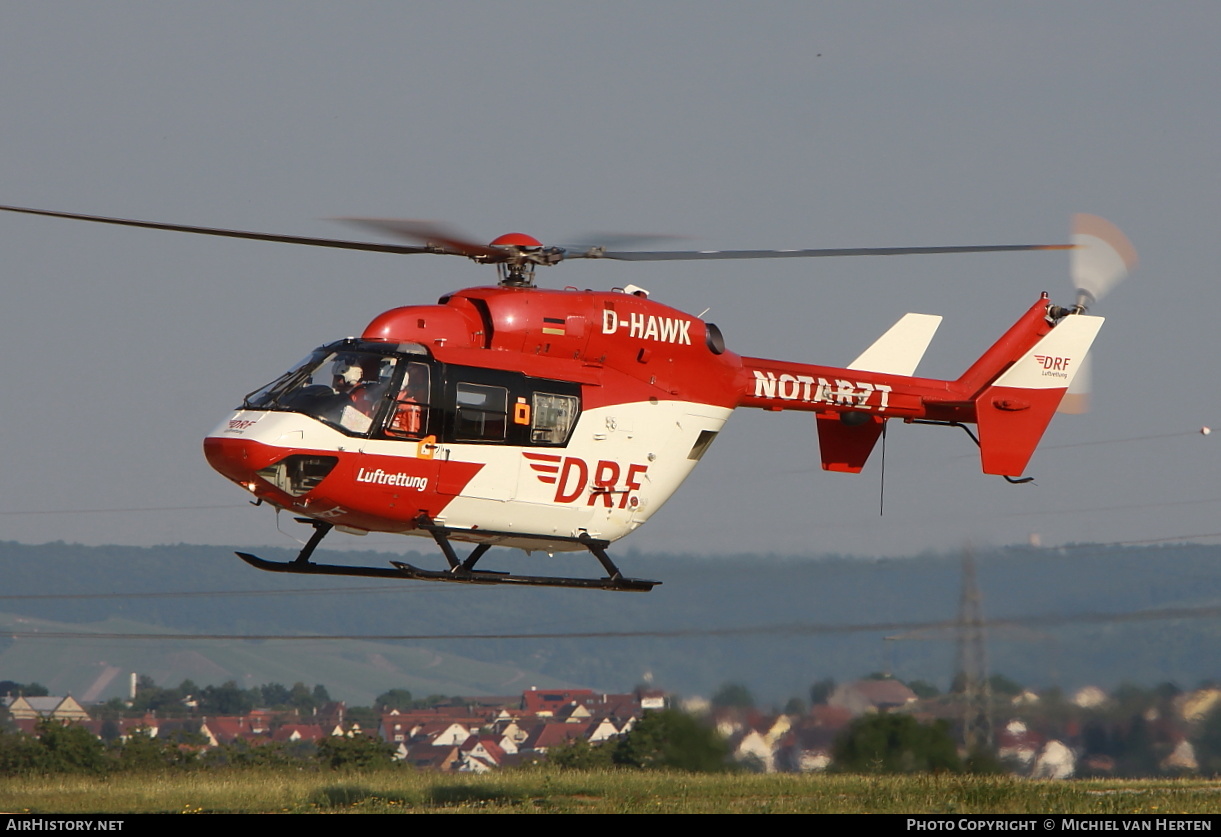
(1054, 367)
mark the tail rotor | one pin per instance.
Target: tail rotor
(1102, 258)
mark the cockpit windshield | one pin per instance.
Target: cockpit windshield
(343, 386)
(400, 392)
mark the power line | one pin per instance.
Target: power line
(424, 587)
(1165, 540)
(798, 629)
(324, 591)
(1147, 541)
(1128, 507)
(126, 511)
(1203, 431)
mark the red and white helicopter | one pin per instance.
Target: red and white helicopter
(562, 420)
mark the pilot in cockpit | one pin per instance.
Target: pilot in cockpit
(347, 376)
(360, 391)
(409, 417)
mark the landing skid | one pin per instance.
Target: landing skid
(459, 572)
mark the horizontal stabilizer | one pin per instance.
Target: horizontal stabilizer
(898, 351)
(846, 447)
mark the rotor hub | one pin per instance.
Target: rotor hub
(517, 240)
(521, 253)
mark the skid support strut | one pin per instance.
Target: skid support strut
(460, 571)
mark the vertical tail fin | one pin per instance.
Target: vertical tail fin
(899, 350)
(1015, 409)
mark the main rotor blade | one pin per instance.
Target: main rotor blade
(253, 236)
(435, 235)
(693, 255)
(440, 239)
(613, 241)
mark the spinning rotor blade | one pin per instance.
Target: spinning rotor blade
(253, 236)
(693, 255)
(1102, 258)
(611, 241)
(436, 236)
(440, 239)
(1077, 400)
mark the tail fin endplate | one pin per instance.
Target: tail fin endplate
(1014, 410)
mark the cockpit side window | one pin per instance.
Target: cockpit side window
(411, 411)
(552, 418)
(481, 414)
(478, 405)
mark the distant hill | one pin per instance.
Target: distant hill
(774, 623)
(354, 671)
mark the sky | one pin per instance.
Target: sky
(729, 125)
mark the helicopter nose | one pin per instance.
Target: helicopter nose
(232, 458)
(270, 473)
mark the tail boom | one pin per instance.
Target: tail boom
(1011, 393)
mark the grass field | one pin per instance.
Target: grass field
(546, 791)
